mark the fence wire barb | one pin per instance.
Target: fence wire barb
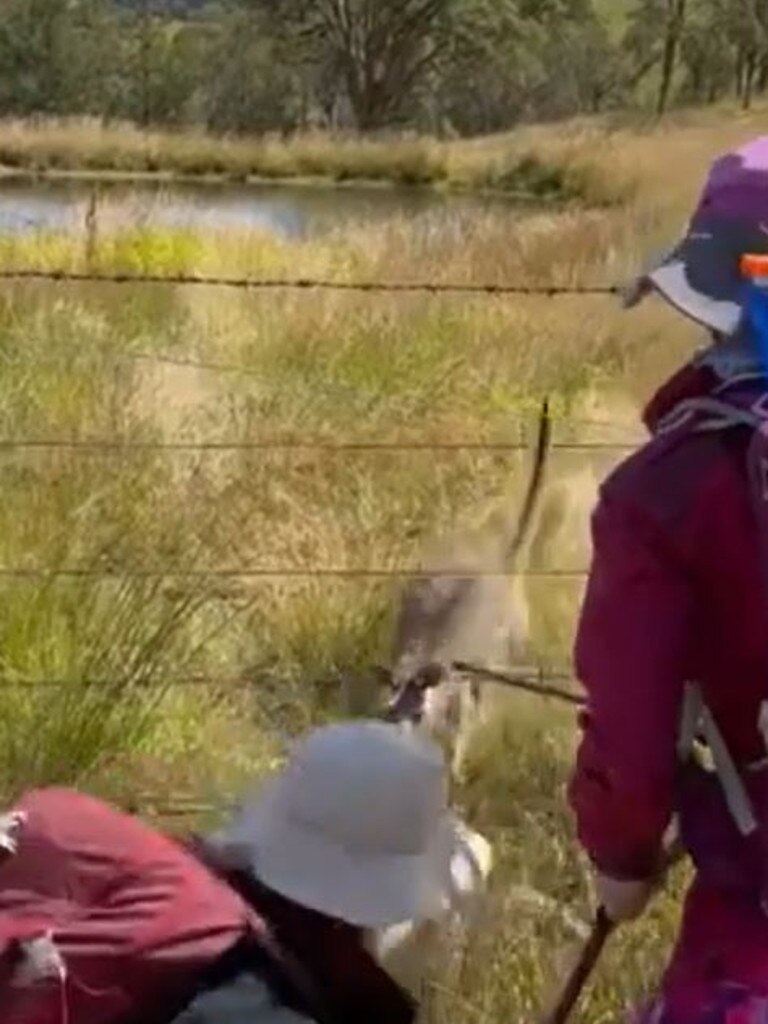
(305, 284)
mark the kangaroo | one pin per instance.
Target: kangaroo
(463, 617)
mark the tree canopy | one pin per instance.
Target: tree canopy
(445, 66)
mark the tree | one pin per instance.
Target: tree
(33, 55)
(439, 65)
(512, 60)
(705, 55)
(159, 62)
(746, 22)
(379, 51)
(673, 30)
(653, 39)
(248, 84)
(725, 47)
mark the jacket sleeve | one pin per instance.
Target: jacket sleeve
(631, 656)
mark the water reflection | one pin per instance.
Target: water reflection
(289, 211)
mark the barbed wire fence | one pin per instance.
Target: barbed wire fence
(300, 447)
(536, 680)
(64, 276)
(549, 684)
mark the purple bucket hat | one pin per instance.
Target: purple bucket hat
(700, 276)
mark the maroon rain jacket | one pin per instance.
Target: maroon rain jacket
(676, 593)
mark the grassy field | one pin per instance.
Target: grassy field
(595, 160)
(145, 367)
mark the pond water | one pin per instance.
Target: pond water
(288, 211)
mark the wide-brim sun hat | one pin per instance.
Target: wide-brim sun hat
(701, 274)
(356, 826)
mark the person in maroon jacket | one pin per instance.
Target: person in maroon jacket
(672, 641)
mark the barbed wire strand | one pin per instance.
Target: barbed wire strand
(278, 573)
(538, 682)
(304, 284)
(174, 682)
(326, 447)
(187, 363)
(530, 679)
(305, 445)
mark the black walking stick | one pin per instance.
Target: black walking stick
(602, 928)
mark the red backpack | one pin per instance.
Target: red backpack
(103, 919)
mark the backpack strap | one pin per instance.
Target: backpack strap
(697, 720)
(718, 415)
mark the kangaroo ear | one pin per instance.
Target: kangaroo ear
(361, 695)
(383, 677)
(431, 675)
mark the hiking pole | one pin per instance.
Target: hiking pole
(602, 928)
(585, 965)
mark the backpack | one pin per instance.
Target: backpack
(102, 918)
(722, 808)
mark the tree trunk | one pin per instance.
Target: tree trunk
(49, 89)
(739, 73)
(697, 80)
(382, 50)
(750, 64)
(674, 28)
(145, 57)
(762, 74)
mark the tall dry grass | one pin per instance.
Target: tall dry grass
(89, 363)
(598, 160)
